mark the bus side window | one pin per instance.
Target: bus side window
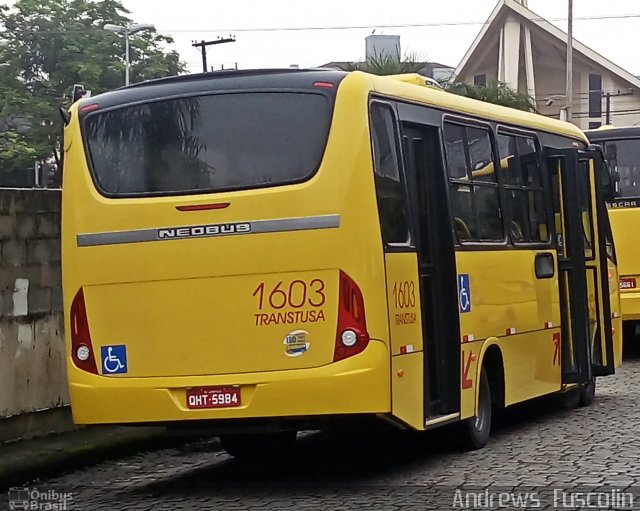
(522, 178)
(475, 200)
(390, 189)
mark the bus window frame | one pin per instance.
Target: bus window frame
(585, 158)
(395, 247)
(601, 143)
(88, 158)
(426, 115)
(474, 123)
(505, 129)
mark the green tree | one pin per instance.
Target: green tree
(50, 45)
(493, 92)
(385, 64)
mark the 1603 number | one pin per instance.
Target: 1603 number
(296, 295)
(404, 295)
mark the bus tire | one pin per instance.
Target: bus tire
(570, 399)
(475, 431)
(588, 393)
(258, 446)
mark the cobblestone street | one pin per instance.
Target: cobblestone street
(535, 449)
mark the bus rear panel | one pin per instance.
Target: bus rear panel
(217, 256)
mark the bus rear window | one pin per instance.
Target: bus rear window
(208, 143)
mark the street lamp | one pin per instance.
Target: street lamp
(550, 100)
(128, 30)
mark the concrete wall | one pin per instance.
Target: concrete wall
(32, 351)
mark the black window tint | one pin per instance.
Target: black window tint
(530, 163)
(480, 154)
(208, 143)
(389, 186)
(509, 163)
(475, 198)
(538, 221)
(519, 220)
(463, 216)
(623, 158)
(488, 208)
(584, 199)
(454, 139)
(522, 177)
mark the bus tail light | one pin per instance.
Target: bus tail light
(81, 347)
(352, 336)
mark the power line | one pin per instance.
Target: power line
(335, 27)
(399, 25)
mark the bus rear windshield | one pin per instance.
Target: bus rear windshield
(208, 143)
(623, 158)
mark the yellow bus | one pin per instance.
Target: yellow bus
(621, 148)
(263, 252)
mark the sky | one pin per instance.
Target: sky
(450, 28)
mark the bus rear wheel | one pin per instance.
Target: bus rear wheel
(475, 431)
(258, 446)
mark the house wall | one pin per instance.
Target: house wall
(32, 349)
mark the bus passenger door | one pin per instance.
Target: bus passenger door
(593, 205)
(437, 270)
(580, 271)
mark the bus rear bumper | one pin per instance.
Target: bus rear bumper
(630, 305)
(356, 385)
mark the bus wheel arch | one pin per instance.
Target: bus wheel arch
(493, 363)
(475, 431)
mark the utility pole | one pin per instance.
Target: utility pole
(202, 45)
(569, 92)
(607, 97)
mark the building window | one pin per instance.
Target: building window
(472, 182)
(595, 95)
(480, 80)
(594, 125)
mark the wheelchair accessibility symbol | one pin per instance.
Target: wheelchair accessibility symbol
(114, 359)
(464, 293)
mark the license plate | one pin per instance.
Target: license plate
(628, 283)
(213, 397)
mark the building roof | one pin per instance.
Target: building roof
(512, 7)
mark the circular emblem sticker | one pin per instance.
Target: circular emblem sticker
(296, 343)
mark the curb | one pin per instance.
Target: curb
(28, 460)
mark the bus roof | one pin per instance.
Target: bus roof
(613, 133)
(397, 86)
(218, 80)
(444, 100)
